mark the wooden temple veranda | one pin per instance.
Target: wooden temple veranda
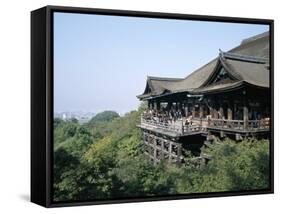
(227, 97)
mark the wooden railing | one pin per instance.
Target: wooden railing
(259, 124)
(251, 125)
(226, 124)
(177, 127)
(198, 125)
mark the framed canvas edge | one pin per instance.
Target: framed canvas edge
(49, 100)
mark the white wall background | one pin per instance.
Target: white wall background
(15, 106)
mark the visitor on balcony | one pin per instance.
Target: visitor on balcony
(188, 121)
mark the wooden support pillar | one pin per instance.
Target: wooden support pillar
(149, 104)
(169, 106)
(158, 105)
(179, 152)
(144, 138)
(245, 111)
(151, 145)
(181, 109)
(193, 111)
(215, 106)
(211, 112)
(154, 150)
(234, 111)
(155, 105)
(201, 111)
(144, 142)
(216, 114)
(229, 113)
(170, 150)
(245, 116)
(162, 149)
(221, 112)
(186, 109)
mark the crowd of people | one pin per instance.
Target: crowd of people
(167, 117)
(170, 116)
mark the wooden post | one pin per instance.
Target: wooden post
(158, 105)
(179, 153)
(211, 112)
(186, 110)
(150, 105)
(201, 111)
(170, 150)
(150, 148)
(245, 116)
(155, 150)
(229, 115)
(169, 106)
(144, 142)
(193, 111)
(245, 111)
(234, 111)
(215, 114)
(221, 112)
(162, 148)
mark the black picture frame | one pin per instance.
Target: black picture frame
(42, 102)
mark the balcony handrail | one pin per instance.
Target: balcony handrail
(174, 127)
(251, 125)
(181, 128)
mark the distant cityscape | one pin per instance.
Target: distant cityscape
(82, 117)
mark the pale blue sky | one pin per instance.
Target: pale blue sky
(101, 62)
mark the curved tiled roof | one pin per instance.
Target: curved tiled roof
(257, 46)
(244, 62)
(253, 73)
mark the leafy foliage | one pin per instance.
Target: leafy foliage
(105, 116)
(104, 159)
(233, 167)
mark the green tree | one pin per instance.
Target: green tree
(104, 159)
(105, 116)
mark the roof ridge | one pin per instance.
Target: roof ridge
(242, 57)
(250, 40)
(164, 78)
(253, 38)
(198, 69)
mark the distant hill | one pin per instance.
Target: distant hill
(105, 116)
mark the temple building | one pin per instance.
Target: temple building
(227, 97)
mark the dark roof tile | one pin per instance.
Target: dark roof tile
(256, 73)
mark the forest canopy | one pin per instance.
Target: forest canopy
(103, 159)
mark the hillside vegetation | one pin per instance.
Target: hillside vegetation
(103, 159)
